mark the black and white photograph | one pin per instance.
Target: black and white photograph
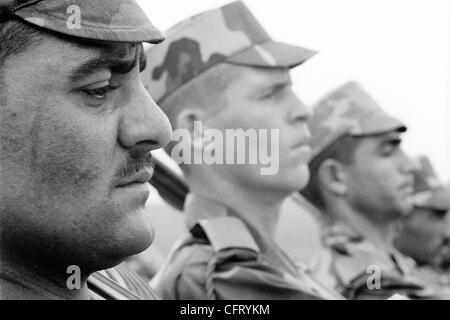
(237, 152)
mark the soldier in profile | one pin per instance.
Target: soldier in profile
(424, 235)
(362, 183)
(76, 130)
(222, 69)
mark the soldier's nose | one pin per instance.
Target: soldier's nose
(144, 121)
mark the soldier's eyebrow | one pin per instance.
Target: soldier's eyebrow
(108, 60)
(274, 85)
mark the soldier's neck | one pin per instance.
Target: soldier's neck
(260, 208)
(379, 233)
(259, 211)
(30, 282)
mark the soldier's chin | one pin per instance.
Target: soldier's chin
(124, 250)
(135, 237)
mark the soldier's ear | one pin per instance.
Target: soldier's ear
(191, 120)
(187, 118)
(332, 177)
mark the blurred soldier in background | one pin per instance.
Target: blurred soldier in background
(147, 263)
(362, 182)
(76, 130)
(222, 69)
(424, 234)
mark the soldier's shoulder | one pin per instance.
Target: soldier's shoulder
(225, 233)
(214, 241)
(352, 258)
(189, 250)
(184, 268)
(209, 239)
(211, 242)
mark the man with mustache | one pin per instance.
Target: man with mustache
(362, 183)
(221, 69)
(76, 130)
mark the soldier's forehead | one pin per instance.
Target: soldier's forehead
(267, 76)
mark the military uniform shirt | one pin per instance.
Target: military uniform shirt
(225, 258)
(350, 263)
(119, 283)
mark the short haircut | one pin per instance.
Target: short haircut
(342, 150)
(203, 92)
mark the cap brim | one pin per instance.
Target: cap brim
(380, 124)
(438, 200)
(111, 21)
(272, 54)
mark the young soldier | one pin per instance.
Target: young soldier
(221, 70)
(362, 182)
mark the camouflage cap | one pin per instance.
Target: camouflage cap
(425, 177)
(429, 192)
(227, 34)
(112, 20)
(348, 110)
(438, 199)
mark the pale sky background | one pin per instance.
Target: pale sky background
(397, 49)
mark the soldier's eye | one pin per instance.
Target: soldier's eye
(272, 92)
(389, 147)
(439, 214)
(97, 96)
(268, 95)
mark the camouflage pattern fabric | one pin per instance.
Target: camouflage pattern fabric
(128, 280)
(350, 110)
(228, 34)
(348, 260)
(224, 258)
(112, 20)
(436, 280)
(430, 193)
(425, 177)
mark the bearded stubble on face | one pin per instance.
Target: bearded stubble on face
(377, 191)
(376, 210)
(57, 166)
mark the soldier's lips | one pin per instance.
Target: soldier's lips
(303, 151)
(140, 178)
(135, 189)
(137, 186)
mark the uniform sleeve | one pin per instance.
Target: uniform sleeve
(183, 275)
(190, 284)
(362, 277)
(242, 274)
(352, 275)
(229, 265)
(389, 287)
